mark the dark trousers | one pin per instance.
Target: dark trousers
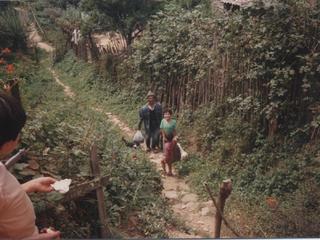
(152, 138)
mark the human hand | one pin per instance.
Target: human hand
(41, 184)
(45, 234)
(7, 88)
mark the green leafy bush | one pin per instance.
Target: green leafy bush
(12, 33)
(59, 133)
(260, 168)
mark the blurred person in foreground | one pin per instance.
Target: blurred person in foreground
(17, 216)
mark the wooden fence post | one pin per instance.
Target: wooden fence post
(224, 192)
(105, 231)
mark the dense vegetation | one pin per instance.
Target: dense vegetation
(58, 136)
(124, 16)
(11, 29)
(245, 88)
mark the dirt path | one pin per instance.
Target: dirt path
(67, 90)
(198, 216)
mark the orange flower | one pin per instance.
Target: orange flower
(6, 51)
(10, 68)
(2, 61)
(272, 202)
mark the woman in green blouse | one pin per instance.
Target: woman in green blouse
(168, 131)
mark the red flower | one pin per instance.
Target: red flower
(6, 51)
(2, 61)
(10, 68)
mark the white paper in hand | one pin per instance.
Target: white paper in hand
(62, 186)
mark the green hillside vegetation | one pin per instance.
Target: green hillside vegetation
(244, 86)
(58, 136)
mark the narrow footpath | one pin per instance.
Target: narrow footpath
(198, 216)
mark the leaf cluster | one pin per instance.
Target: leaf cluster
(12, 33)
(123, 16)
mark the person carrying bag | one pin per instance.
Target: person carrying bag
(169, 135)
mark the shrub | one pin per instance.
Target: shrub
(12, 33)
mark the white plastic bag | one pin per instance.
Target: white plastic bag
(138, 137)
(184, 154)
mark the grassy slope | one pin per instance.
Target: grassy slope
(229, 148)
(83, 77)
(59, 133)
(274, 181)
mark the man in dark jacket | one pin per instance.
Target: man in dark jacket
(151, 116)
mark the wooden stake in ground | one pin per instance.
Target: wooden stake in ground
(105, 232)
(224, 192)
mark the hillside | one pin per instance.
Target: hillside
(243, 84)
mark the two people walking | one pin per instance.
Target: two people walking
(155, 126)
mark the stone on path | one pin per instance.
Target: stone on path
(206, 211)
(184, 207)
(190, 197)
(192, 206)
(171, 194)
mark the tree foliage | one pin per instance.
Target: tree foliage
(188, 4)
(124, 16)
(245, 85)
(12, 34)
(263, 58)
(64, 3)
